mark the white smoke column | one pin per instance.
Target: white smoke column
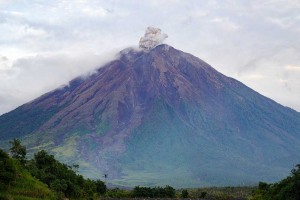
(152, 38)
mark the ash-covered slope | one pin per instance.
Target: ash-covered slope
(160, 117)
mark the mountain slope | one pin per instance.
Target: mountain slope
(161, 117)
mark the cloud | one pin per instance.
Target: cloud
(292, 68)
(50, 71)
(271, 71)
(98, 12)
(225, 23)
(255, 77)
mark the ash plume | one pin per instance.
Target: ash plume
(153, 37)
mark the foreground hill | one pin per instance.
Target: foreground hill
(17, 183)
(161, 117)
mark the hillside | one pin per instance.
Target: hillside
(17, 183)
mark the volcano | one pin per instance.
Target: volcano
(160, 116)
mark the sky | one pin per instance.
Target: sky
(44, 44)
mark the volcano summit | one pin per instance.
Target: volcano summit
(160, 117)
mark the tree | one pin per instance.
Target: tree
(17, 150)
(59, 186)
(62, 178)
(203, 194)
(286, 189)
(184, 194)
(100, 187)
(141, 192)
(89, 188)
(296, 185)
(170, 191)
(263, 186)
(44, 160)
(7, 170)
(157, 192)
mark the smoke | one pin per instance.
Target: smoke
(152, 38)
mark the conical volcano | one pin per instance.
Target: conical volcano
(160, 117)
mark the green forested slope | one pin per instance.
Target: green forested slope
(17, 183)
(42, 177)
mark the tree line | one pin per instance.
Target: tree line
(63, 179)
(156, 192)
(59, 177)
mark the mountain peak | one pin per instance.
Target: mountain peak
(157, 115)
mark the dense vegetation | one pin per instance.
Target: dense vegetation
(17, 183)
(62, 178)
(287, 189)
(46, 171)
(43, 177)
(156, 192)
(7, 170)
(142, 192)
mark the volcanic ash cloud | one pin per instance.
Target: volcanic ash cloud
(152, 38)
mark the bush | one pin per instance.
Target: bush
(286, 189)
(18, 151)
(203, 194)
(62, 179)
(184, 194)
(157, 192)
(7, 170)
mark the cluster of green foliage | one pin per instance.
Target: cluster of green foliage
(142, 192)
(62, 178)
(7, 170)
(286, 189)
(18, 151)
(17, 183)
(184, 193)
(156, 192)
(59, 177)
(43, 177)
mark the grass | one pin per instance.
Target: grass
(26, 187)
